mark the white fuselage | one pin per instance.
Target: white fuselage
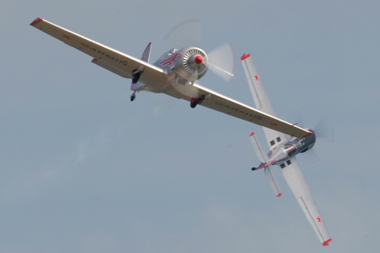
(287, 149)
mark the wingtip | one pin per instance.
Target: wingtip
(252, 134)
(279, 195)
(245, 56)
(36, 21)
(308, 134)
(326, 243)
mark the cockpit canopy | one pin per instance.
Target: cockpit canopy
(169, 53)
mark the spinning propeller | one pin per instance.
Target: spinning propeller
(221, 60)
(323, 131)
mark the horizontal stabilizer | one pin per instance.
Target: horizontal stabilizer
(269, 174)
(263, 158)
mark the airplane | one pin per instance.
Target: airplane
(283, 151)
(174, 74)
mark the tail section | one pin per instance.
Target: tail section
(136, 85)
(146, 55)
(268, 170)
(269, 174)
(263, 158)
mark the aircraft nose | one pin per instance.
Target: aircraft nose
(198, 59)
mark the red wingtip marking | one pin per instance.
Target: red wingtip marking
(279, 195)
(326, 243)
(36, 21)
(252, 134)
(310, 133)
(245, 56)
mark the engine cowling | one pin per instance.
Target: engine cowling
(191, 65)
(308, 142)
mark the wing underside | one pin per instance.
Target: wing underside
(300, 189)
(106, 57)
(261, 99)
(290, 168)
(236, 109)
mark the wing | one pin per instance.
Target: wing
(297, 184)
(108, 58)
(234, 108)
(261, 99)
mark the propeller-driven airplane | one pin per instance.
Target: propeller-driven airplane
(174, 74)
(282, 152)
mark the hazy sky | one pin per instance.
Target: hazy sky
(85, 170)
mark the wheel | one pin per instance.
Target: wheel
(133, 97)
(193, 104)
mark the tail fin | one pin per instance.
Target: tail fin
(144, 57)
(263, 158)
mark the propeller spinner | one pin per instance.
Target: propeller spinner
(220, 60)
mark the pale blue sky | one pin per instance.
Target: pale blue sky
(85, 170)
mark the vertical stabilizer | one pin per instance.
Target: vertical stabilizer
(146, 54)
(144, 57)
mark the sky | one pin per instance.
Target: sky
(83, 169)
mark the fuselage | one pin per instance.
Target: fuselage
(287, 149)
(183, 67)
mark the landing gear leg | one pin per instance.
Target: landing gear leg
(133, 96)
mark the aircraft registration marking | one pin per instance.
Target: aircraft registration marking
(239, 111)
(104, 54)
